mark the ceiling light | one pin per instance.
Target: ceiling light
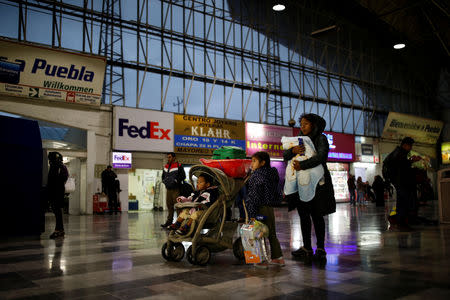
(399, 46)
(278, 7)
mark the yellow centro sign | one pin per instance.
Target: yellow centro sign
(422, 130)
(201, 135)
(445, 151)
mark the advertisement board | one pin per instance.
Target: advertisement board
(201, 135)
(425, 131)
(262, 137)
(142, 130)
(121, 160)
(445, 151)
(38, 72)
(342, 146)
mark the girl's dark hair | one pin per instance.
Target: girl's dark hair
(207, 177)
(262, 156)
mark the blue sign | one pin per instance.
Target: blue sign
(206, 142)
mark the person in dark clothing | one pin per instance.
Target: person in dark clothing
(109, 188)
(57, 177)
(323, 202)
(403, 178)
(378, 188)
(172, 177)
(240, 197)
(263, 191)
(351, 189)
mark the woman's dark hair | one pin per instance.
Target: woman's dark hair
(262, 156)
(171, 153)
(207, 177)
(310, 117)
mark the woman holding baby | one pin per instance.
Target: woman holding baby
(323, 202)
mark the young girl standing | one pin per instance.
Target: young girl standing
(262, 191)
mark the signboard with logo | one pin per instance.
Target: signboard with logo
(142, 130)
(267, 138)
(342, 146)
(445, 151)
(425, 131)
(201, 135)
(121, 160)
(38, 72)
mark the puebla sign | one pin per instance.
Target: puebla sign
(37, 72)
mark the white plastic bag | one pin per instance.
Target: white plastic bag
(70, 185)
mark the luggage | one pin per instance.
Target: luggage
(229, 152)
(252, 236)
(100, 203)
(236, 168)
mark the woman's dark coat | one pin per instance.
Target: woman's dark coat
(323, 202)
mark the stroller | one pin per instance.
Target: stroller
(211, 233)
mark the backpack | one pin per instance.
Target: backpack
(388, 169)
(186, 189)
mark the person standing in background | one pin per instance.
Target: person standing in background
(172, 177)
(361, 189)
(57, 177)
(378, 188)
(351, 189)
(109, 188)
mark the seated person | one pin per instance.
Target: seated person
(205, 194)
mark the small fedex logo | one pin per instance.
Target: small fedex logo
(121, 160)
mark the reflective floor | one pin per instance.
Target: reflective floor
(119, 257)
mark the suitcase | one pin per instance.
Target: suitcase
(100, 203)
(229, 152)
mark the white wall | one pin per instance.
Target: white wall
(96, 120)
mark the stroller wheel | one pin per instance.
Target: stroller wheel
(238, 249)
(189, 255)
(177, 252)
(202, 256)
(165, 252)
(172, 252)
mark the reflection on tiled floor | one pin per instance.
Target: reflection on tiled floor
(119, 257)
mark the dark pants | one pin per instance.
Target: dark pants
(171, 200)
(406, 202)
(112, 201)
(275, 248)
(56, 202)
(352, 196)
(306, 213)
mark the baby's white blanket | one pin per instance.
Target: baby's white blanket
(304, 181)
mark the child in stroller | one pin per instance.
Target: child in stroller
(210, 233)
(205, 194)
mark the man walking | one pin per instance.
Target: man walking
(172, 177)
(397, 168)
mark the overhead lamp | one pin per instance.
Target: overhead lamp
(278, 7)
(399, 46)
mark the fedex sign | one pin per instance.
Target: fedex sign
(121, 160)
(143, 130)
(150, 131)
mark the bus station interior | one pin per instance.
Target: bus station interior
(193, 71)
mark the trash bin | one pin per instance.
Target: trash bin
(444, 195)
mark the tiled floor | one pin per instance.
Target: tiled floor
(119, 257)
